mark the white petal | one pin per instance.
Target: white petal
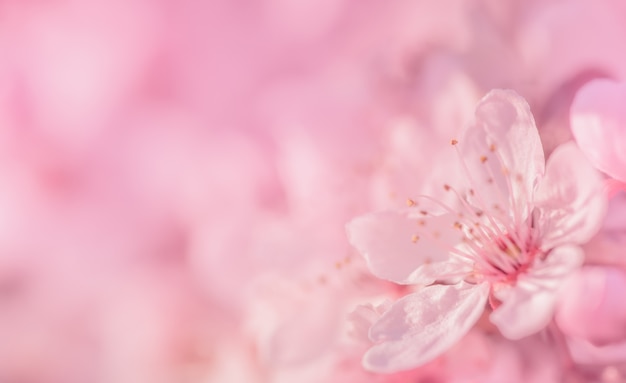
(503, 153)
(396, 243)
(572, 201)
(423, 325)
(451, 270)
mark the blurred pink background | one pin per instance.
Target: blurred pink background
(175, 176)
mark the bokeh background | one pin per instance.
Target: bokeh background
(176, 175)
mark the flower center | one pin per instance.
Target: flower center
(504, 259)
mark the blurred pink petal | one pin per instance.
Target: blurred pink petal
(593, 309)
(599, 125)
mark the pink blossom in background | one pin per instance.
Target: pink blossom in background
(177, 177)
(599, 125)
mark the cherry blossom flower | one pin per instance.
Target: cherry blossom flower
(511, 239)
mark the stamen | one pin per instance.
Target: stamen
(501, 197)
(471, 181)
(492, 235)
(517, 218)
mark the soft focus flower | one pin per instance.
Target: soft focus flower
(512, 239)
(599, 125)
(593, 309)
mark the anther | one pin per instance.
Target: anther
(423, 212)
(454, 142)
(483, 159)
(410, 203)
(446, 187)
(415, 238)
(492, 147)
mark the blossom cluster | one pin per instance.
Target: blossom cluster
(312, 191)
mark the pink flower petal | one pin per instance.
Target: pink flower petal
(423, 325)
(395, 244)
(598, 121)
(529, 306)
(503, 152)
(571, 197)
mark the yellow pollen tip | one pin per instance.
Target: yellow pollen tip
(415, 238)
(483, 159)
(492, 147)
(410, 203)
(454, 142)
